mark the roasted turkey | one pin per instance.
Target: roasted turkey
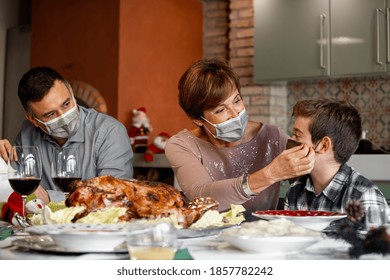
(142, 199)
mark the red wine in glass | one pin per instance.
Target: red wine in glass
(24, 186)
(64, 182)
(65, 168)
(24, 170)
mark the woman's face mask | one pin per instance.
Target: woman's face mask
(231, 130)
(63, 126)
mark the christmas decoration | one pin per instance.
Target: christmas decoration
(139, 130)
(14, 205)
(157, 147)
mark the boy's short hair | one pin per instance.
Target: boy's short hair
(338, 120)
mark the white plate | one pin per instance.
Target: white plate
(270, 245)
(201, 232)
(45, 243)
(84, 237)
(315, 220)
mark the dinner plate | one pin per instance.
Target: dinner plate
(84, 237)
(270, 245)
(45, 243)
(315, 220)
(201, 232)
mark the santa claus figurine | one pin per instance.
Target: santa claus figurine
(139, 130)
(157, 147)
(14, 205)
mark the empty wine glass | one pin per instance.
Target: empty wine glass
(376, 216)
(24, 171)
(65, 168)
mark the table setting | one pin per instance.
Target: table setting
(277, 239)
(96, 221)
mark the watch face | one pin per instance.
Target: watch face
(292, 143)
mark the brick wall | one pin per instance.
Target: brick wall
(229, 35)
(215, 29)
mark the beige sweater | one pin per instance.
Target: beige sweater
(204, 170)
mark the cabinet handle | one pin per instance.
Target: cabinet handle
(322, 40)
(378, 57)
(387, 34)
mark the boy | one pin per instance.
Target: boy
(333, 129)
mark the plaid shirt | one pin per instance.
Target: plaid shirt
(346, 185)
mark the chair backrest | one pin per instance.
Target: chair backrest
(88, 96)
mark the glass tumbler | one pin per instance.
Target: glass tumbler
(151, 241)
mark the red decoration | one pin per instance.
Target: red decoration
(157, 147)
(139, 130)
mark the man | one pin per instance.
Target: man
(333, 129)
(55, 120)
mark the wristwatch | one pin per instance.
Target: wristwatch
(245, 186)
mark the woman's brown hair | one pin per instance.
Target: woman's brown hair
(204, 85)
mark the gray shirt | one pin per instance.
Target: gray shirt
(102, 141)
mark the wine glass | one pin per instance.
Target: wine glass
(376, 216)
(65, 168)
(24, 171)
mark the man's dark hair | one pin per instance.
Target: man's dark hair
(36, 83)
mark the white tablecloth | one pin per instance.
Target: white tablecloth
(9, 252)
(204, 248)
(213, 248)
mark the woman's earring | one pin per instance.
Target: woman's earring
(198, 123)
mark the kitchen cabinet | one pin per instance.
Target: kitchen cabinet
(291, 39)
(358, 37)
(320, 38)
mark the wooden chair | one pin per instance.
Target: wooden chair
(88, 96)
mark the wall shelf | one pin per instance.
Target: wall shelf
(160, 164)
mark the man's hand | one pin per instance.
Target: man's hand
(42, 194)
(5, 149)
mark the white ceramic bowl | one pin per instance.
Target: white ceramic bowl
(269, 245)
(314, 220)
(84, 237)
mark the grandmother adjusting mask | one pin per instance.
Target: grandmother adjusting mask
(63, 126)
(231, 130)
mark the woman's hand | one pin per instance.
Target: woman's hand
(291, 163)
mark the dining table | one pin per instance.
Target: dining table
(206, 247)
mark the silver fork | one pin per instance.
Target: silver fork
(23, 222)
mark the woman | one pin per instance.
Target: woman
(227, 157)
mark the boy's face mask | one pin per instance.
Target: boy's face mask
(63, 126)
(231, 130)
(292, 143)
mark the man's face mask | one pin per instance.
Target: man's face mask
(63, 126)
(231, 130)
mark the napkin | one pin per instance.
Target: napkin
(5, 232)
(374, 257)
(5, 187)
(183, 254)
(3, 166)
